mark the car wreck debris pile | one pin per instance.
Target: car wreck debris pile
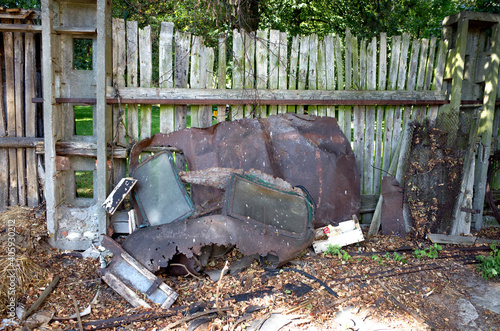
(260, 185)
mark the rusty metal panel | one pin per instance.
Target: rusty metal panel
(303, 150)
(392, 207)
(159, 193)
(155, 246)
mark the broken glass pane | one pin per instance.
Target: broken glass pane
(159, 192)
(250, 199)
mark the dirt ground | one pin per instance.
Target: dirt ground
(379, 285)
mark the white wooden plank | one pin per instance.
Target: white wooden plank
(238, 71)
(274, 40)
(262, 55)
(235, 96)
(282, 68)
(321, 69)
(389, 143)
(312, 80)
(166, 74)
(221, 74)
(330, 69)
(195, 77)
(401, 83)
(303, 63)
(346, 233)
(207, 81)
(132, 79)
(119, 66)
(382, 84)
(371, 84)
(146, 76)
(181, 68)
(294, 68)
(339, 64)
(249, 51)
(438, 77)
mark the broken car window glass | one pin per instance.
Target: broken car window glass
(251, 199)
(159, 192)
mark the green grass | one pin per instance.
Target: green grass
(84, 181)
(84, 120)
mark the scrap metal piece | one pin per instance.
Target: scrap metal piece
(125, 274)
(392, 208)
(303, 150)
(155, 246)
(159, 195)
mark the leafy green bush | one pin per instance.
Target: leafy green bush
(490, 265)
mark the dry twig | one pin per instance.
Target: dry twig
(226, 266)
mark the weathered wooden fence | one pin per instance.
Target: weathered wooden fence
(19, 125)
(371, 87)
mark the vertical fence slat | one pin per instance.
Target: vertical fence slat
(274, 40)
(330, 69)
(238, 71)
(358, 112)
(262, 54)
(294, 62)
(146, 75)
(389, 142)
(207, 71)
(303, 62)
(437, 84)
(119, 66)
(11, 113)
(382, 82)
(249, 55)
(195, 77)
(132, 59)
(371, 84)
(339, 64)
(181, 67)
(4, 158)
(19, 95)
(282, 67)
(321, 70)
(428, 74)
(166, 75)
(419, 112)
(221, 74)
(348, 79)
(403, 65)
(30, 88)
(182, 49)
(313, 70)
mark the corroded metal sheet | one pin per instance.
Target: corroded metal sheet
(392, 208)
(304, 150)
(155, 246)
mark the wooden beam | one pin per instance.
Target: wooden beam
(300, 97)
(4, 27)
